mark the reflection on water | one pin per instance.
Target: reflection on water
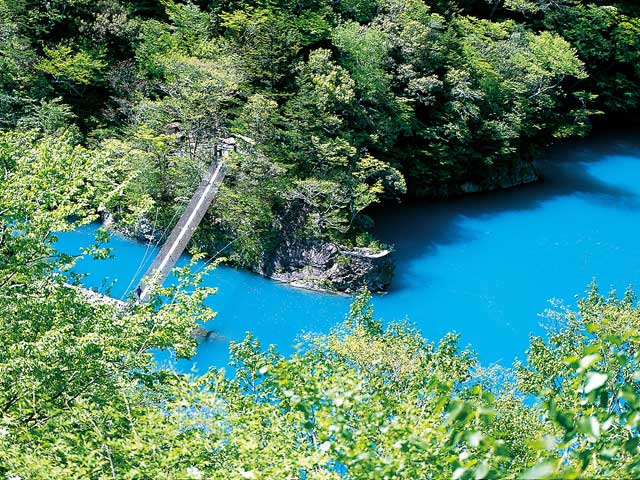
(483, 265)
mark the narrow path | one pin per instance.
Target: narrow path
(96, 297)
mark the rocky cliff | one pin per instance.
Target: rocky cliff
(319, 265)
(143, 230)
(518, 173)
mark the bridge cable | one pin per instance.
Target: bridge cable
(156, 242)
(144, 257)
(184, 203)
(215, 255)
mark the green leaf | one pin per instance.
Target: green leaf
(539, 471)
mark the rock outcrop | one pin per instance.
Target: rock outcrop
(319, 265)
(519, 174)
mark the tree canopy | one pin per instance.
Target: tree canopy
(436, 95)
(113, 107)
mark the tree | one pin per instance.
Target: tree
(70, 368)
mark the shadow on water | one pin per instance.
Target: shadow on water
(426, 224)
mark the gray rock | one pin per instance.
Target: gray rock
(201, 333)
(319, 265)
(519, 174)
(142, 231)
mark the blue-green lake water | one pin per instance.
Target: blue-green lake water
(484, 265)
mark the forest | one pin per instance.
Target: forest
(347, 103)
(112, 109)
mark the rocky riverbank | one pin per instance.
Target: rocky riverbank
(519, 173)
(143, 230)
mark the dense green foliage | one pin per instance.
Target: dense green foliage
(80, 396)
(114, 106)
(350, 103)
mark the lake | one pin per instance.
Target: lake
(484, 265)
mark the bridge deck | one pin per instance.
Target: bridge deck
(183, 231)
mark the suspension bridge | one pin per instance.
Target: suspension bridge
(182, 232)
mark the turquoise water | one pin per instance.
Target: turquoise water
(484, 265)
